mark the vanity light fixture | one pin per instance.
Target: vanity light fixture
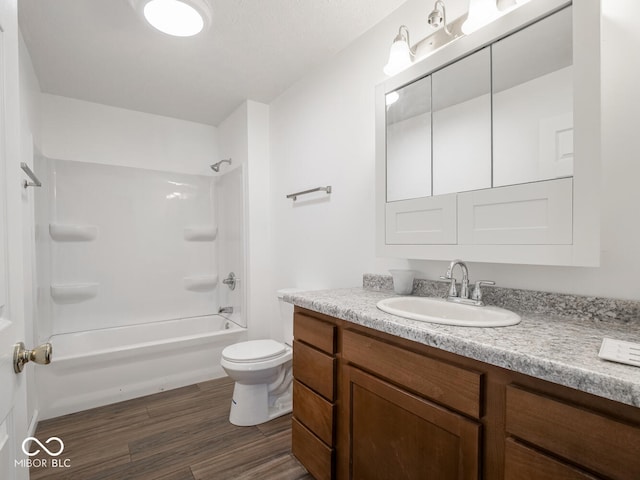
(402, 54)
(438, 17)
(180, 18)
(481, 13)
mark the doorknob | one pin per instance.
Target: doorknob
(41, 354)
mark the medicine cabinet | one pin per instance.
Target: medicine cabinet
(488, 149)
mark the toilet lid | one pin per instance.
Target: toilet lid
(253, 351)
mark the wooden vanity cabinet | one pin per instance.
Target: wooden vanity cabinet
(314, 393)
(564, 437)
(381, 407)
(396, 434)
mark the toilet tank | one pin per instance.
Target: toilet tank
(286, 314)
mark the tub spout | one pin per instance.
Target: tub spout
(225, 310)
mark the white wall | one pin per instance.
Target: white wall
(264, 320)
(244, 136)
(89, 132)
(322, 133)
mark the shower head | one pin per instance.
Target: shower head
(216, 166)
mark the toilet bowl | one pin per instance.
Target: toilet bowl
(262, 373)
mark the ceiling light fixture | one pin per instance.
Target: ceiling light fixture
(402, 53)
(481, 13)
(180, 18)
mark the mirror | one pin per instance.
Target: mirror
(533, 102)
(408, 127)
(462, 125)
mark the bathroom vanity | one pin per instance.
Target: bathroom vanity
(378, 396)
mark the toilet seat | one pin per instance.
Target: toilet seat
(254, 351)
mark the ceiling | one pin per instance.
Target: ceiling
(102, 51)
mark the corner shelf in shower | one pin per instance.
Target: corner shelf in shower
(200, 283)
(73, 232)
(67, 293)
(200, 233)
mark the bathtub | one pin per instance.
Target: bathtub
(94, 368)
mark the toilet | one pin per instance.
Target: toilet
(262, 372)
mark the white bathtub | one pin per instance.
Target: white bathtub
(99, 367)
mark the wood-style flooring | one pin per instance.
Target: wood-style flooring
(181, 434)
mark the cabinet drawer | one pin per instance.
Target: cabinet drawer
(321, 335)
(523, 463)
(447, 384)
(315, 369)
(314, 412)
(599, 443)
(316, 457)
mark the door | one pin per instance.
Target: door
(395, 434)
(13, 415)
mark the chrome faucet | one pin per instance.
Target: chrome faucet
(464, 284)
(463, 297)
(230, 281)
(225, 310)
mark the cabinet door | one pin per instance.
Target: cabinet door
(394, 434)
(530, 214)
(428, 220)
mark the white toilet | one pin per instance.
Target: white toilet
(262, 372)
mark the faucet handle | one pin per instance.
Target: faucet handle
(453, 291)
(477, 292)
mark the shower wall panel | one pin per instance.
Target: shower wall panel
(126, 246)
(229, 188)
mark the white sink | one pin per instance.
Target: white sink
(438, 310)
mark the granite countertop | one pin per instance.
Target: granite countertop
(557, 348)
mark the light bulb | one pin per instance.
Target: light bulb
(481, 13)
(399, 58)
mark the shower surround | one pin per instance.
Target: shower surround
(120, 252)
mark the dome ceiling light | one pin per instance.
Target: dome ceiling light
(180, 18)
